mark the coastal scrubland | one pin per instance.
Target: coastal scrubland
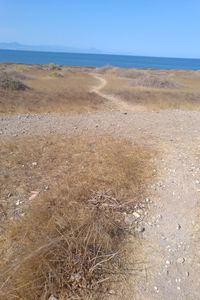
(65, 89)
(83, 153)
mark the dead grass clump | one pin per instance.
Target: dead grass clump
(67, 242)
(129, 73)
(104, 70)
(19, 75)
(63, 249)
(56, 74)
(154, 81)
(54, 67)
(9, 83)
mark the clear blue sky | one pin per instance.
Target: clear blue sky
(140, 27)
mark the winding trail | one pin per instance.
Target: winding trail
(170, 241)
(113, 101)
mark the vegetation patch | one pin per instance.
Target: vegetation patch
(154, 81)
(7, 82)
(63, 223)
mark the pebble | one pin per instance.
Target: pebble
(178, 227)
(136, 215)
(139, 229)
(34, 163)
(18, 202)
(156, 289)
(168, 262)
(52, 298)
(180, 260)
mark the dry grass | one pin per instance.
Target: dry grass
(154, 81)
(52, 90)
(186, 96)
(67, 89)
(67, 239)
(9, 83)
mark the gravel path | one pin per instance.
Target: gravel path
(170, 241)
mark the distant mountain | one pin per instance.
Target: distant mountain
(50, 48)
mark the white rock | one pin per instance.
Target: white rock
(34, 163)
(18, 202)
(180, 260)
(156, 289)
(52, 298)
(136, 215)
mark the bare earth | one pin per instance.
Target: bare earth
(169, 255)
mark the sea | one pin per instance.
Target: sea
(98, 60)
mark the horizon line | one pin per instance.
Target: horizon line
(101, 52)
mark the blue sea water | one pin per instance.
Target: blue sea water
(98, 60)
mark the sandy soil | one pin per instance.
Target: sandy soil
(169, 257)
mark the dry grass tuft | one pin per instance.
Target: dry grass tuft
(186, 96)
(7, 82)
(67, 241)
(104, 70)
(154, 81)
(129, 73)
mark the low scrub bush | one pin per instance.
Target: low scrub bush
(7, 82)
(67, 241)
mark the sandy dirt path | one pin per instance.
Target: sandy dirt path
(113, 101)
(171, 234)
(169, 253)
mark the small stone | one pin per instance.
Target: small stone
(156, 289)
(97, 126)
(34, 194)
(187, 274)
(9, 195)
(180, 260)
(139, 229)
(178, 227)
(125, 113)
(52, 298)
(18, 202)
(46, 188)
(197, 181)
(168, 262)
(34, 163)
(136, 215)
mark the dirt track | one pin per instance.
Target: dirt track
(170, 241)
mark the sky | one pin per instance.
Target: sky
(169, 28)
